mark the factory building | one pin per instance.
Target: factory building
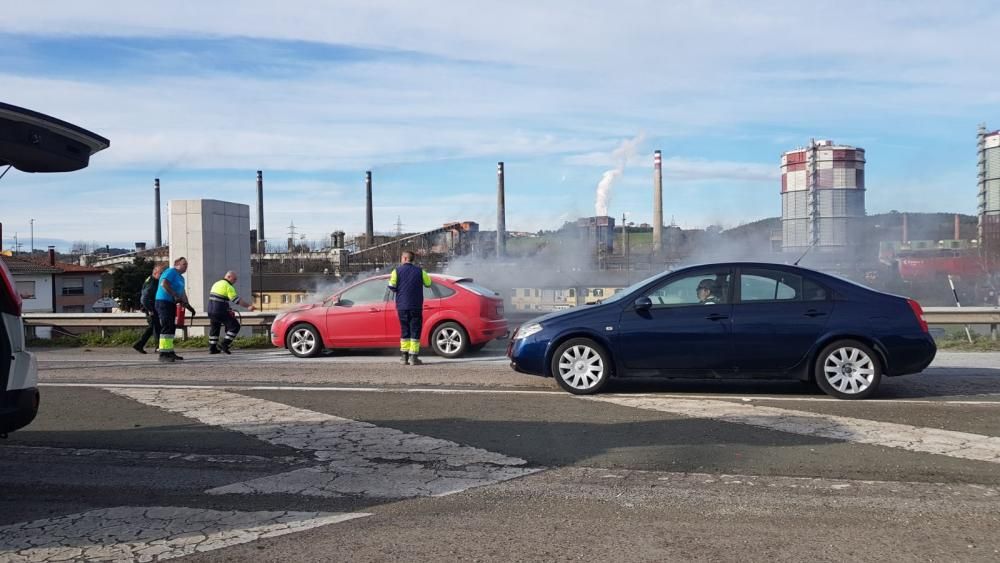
(599, 232)
(822, 197)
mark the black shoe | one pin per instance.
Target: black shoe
(175, 356)
(415, 361)
(225, 348)
(167, 358)
(138, 348)
(404, 357)
(213, 349)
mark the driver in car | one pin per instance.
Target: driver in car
(706, 292)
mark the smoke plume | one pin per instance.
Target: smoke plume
(621, 156)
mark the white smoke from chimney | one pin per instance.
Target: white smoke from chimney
(621, 156)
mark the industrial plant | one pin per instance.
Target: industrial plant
(823, 221)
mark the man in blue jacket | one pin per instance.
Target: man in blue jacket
(408, 281)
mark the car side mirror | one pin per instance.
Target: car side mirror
(643, 304)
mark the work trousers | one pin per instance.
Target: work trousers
(152, 328)
(217, 321)
(167, 312)
(410, 321)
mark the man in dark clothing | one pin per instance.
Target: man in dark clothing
(147, 303)
(408, 281)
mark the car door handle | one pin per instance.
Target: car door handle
(374, 310)
(717, 317)
(814, 313)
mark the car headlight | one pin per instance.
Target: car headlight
(279, 316)
(527, 330)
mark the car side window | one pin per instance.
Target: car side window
(366, 293)
(438, 291)
(704, 288)
(777, 285)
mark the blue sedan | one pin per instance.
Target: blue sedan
(732, 320)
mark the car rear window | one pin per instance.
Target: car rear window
(478, 289)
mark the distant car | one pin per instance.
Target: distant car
(765, 321)
(459, 316)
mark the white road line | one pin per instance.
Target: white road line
(949, 443)
(435, 391)
(357, 458)
(132, 533)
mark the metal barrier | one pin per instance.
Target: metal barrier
(129, 320)
(934, 315)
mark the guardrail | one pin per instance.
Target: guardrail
(129, 320)
(934, 315)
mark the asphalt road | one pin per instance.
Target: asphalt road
(260, 456)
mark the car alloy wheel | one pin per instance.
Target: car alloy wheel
(848, 370)
(303, 341)
(449, 340)
(581, 366)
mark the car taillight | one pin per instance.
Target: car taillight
(10, 299)
(918, 311)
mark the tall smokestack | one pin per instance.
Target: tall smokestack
(657, 203)
(260, 207)
(501, 214)
(369, 217)
(159, 219)
(958, 228)
(906, 229)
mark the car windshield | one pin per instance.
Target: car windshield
(477, 289)
(630, 289)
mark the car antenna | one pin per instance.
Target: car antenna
(796, 263)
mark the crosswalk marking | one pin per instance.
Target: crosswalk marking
(949, 443)
(131, 533)
(357, 458)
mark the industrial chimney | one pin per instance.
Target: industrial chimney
(657, 203)
(501, 214)
(369, 217)
(958, 228)
(156, 204)
(260, 208)
(906, 229)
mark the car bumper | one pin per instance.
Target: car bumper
(18, 408)
(911, 354)
(489, 330)
(527, 355)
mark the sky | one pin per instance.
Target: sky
(431, 95)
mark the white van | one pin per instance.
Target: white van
(30, 142)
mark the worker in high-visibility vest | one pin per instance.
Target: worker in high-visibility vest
(169, 294)
(407, 282)
(220, 298)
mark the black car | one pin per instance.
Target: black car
(732, 320)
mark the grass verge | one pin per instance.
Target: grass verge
(125, 338)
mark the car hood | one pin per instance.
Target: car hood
(567, 314)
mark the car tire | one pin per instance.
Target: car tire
(449, 340)
(304, 341)
(581, 366)
(848, 369)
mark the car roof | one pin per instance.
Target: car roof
(34, 142)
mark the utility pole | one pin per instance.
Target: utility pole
(628, 273)
(32, 221)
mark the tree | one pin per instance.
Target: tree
(127, 283)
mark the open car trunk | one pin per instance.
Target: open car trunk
(35, 142)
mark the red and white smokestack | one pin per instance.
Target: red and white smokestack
(369, 216)
(501, 214)
(657, 203)
(156, 210)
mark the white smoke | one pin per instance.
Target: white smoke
(621, 156)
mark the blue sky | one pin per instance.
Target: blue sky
(431, 95)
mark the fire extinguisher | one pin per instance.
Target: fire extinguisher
(179, 320)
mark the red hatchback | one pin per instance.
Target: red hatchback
(459, 316)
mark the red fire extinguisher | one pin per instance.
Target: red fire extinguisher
(181, 311)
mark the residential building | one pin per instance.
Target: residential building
(35, 283)
(56, 287)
